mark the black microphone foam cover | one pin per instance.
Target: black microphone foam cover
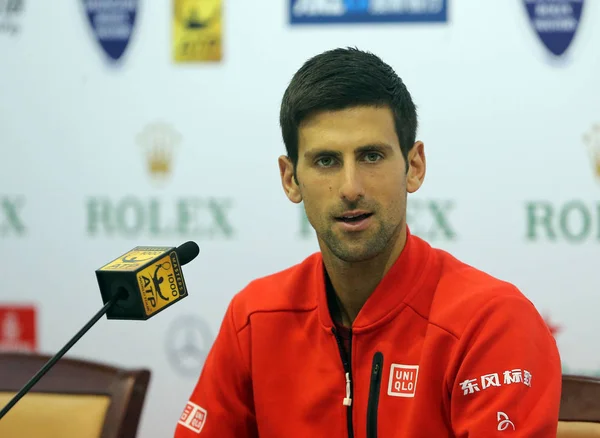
(186, 252)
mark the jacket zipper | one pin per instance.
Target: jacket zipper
(348, 374)
(374, 395)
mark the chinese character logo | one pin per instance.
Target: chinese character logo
(509, 377)
(592, 140)
(403, 380)
(555, 22)
(159, 141)
(112, 23)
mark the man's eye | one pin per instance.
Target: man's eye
(325, 161)
(372, 157)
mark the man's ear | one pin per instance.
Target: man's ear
(416, 167)
(288, 180)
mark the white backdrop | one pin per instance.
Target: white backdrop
(502, 121)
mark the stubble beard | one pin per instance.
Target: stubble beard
(359, 247)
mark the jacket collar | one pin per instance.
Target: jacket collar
(398, 286)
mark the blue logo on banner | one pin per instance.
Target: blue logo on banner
(112, 22)
(555, 22)
(368, 11)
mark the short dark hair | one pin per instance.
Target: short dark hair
(342, 78)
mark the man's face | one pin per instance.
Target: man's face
(352, 179)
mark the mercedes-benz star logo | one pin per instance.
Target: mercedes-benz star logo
(188, 342)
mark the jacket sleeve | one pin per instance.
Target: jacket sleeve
(509, 378)
(221, 404)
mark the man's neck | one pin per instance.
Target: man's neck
(353, 283)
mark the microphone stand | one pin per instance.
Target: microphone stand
(58, 355)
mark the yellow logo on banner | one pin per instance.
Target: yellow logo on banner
(592, 139)
(160, 283)
(159, 141)
(197, 30)
(135, 258)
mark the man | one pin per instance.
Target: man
(378, 334)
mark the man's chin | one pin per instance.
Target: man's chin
(352, 257)
(354, 253)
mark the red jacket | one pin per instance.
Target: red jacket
(440, 349)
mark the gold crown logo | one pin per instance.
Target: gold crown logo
(159, 141)
(592, 139)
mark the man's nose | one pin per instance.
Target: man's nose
(351, 188)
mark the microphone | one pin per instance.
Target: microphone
(145, 280)
(136, 286)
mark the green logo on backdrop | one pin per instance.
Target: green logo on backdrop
(574, 221)
(132, 217)
(427, 219)
(11, 222)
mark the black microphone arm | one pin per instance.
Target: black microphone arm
(186, 253)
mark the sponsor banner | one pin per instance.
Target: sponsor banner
(112, 22)
(368, 11)
(555, 22)
(197, 30)
(18, 328)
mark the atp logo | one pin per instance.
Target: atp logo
(157, 281)
(161, 283)
(503, 422)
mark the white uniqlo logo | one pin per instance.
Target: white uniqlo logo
(403, 380)
(193, 417)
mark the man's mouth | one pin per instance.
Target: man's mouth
(353, 217)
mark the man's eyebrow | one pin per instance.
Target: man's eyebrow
(383, 147)
(322, 151)
(371, 147)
